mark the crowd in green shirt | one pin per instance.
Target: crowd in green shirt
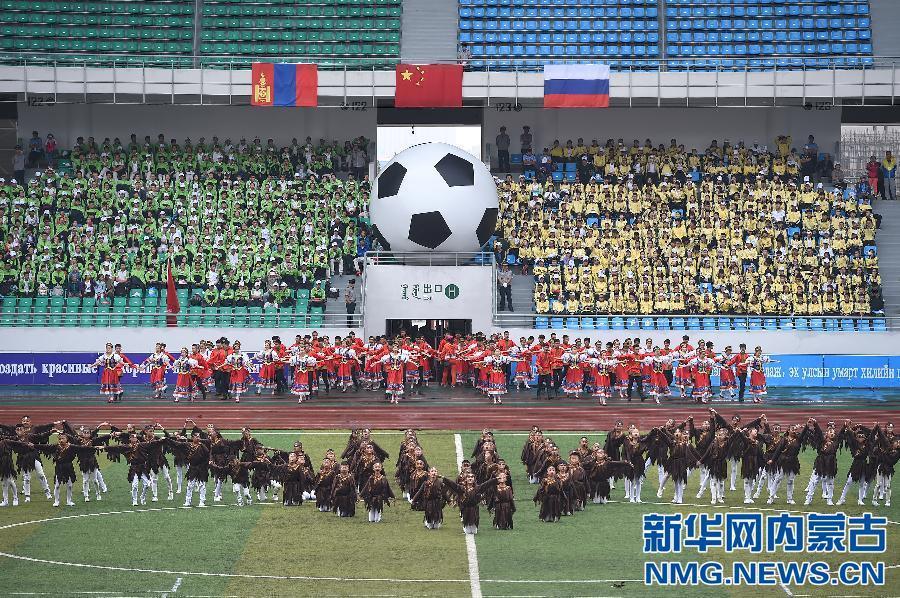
(241, 222)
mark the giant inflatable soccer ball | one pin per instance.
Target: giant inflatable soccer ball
(434, 197)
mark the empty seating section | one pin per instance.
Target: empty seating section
(698, 33)
(137, 28)
(533, 32)
(768, 33)
(327, 31)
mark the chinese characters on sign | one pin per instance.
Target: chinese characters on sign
(811, 534)
(428, 291)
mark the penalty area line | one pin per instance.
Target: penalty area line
(471, 550)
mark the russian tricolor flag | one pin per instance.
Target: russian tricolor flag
(284, 84)
(576, 86)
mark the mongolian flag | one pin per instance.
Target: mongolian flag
(428, 86)
(576, 86)
(284, 84)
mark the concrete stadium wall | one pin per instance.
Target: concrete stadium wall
(694, 127)
(68, 121)
(885, 27)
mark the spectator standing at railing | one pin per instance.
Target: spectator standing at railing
(504, 288)
(526, 139)
(873, 169)
(503, 143)
(35, 149)
(350, 299)
(358, 161)
(18, 164)
(889, 168)
(50, 149)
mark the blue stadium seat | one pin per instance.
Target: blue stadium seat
(587, 323)
(879, 325)
(663, 323)
(847, 325)
(785, 324)
(693, 323)
(770, 324)
(647, 323)
(677, 323)
(572, 323)
(801, 324)
(541, 322)
(602, 323)
(632, 323)
(754, 324)
(618, 323)
(709, 323)
(556, 323)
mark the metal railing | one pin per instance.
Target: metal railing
(224, 80)
(647, 322)
(859, 143)
(429, 258)
(153, 319)
(530, 64)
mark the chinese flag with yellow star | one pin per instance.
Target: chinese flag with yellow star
(429, 86)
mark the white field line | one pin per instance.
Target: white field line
(471, 550)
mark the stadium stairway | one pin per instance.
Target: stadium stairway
(337, 305)
(522, 290)
(429, 30)
(888, 241)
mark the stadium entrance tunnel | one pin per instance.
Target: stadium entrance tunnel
(432, 330)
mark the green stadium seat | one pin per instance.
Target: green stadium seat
(226, 316)
(56, 315)
(102, 316)
(210, 317)
(57, 301)
(72, 317)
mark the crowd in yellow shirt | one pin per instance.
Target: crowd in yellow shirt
(764, 245)
(644, 161)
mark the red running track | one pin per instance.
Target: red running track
(291, 416)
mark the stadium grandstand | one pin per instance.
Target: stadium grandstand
(263, 223)
(346, 266)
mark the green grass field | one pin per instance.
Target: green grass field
(109, 548)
